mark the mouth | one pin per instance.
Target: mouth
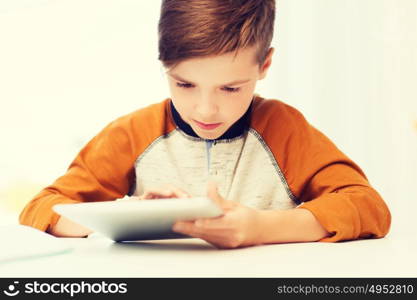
(207, 126)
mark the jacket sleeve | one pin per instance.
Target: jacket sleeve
(333, 188)
(325, 181)
(103, 170)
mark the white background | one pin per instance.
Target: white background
(69, 67)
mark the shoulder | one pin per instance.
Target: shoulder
(273, 114)
(153, 113)
(151, 121)
(136, 130)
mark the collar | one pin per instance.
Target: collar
(236, 130)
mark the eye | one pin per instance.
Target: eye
(184, 85)
(230, 89)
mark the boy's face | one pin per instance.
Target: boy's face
(212, 93)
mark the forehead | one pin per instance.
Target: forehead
(218, 68)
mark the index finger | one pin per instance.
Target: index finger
(178, 192)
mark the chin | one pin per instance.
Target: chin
(208, 135)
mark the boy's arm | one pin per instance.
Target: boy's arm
(346, 211)
(330, 185)
(288, 226)
(67, 228)
(323, 179)
(103, 170)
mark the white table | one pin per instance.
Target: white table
(96, 256)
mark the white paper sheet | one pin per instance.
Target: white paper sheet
(22, 242)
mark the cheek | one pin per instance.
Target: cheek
(183, 103)
(178, 96)
(234, 107)
(235, 110)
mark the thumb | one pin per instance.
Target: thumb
(212, 191)
(213, 194)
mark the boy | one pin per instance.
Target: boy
(284, 181)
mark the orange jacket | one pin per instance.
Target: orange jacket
(272, 158)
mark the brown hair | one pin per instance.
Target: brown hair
(196, 28)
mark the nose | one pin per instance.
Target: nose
(206, 107)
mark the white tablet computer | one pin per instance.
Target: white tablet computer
(133, 219)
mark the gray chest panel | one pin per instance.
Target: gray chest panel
(243, 168)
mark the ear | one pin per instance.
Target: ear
(266, 64)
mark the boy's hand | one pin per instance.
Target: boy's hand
(167, 191)
(237, 227)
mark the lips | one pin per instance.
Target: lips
(207, 126)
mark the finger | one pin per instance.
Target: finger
(167, 191)
(212, 193)
(189, 228)
(217, 238)
(157, 193)
(216, 223)
(208, 227)
(184, 227)
(178, 192)
(216, 241)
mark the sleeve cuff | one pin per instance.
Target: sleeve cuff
(337, 214)
(40, 214)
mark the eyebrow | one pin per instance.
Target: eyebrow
(179, 78)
